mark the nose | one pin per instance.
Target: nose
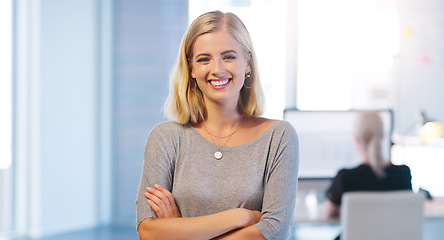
(218, 69)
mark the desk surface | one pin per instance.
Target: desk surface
(311, 211)
(434, 208)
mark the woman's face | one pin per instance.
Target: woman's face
(219, 67)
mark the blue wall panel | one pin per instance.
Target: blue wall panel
(147, 38)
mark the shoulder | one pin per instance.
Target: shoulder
(399, 168)
(355, 170)
(167, 135)
(169, 128)
(343, 172)
(264, 128)
(281, 136)
(281, 131)
(281, 126)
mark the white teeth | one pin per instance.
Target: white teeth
(219, 82)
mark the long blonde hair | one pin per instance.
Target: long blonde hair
(185, 102)
(369, 130)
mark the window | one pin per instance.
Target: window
(346, 53)
(341, 54)
(6, 113)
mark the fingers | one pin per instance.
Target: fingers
(155, 203)
(166, 195)
(171, 203)
(162, 202)
(158, 197)
(156, 208)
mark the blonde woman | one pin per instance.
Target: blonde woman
(374, 173)
(217, 170)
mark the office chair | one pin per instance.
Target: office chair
(389, 215)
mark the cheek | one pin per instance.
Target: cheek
(240, 82)
(241, 71)
(198, 72)
(200, 83)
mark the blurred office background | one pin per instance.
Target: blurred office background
(82, 82)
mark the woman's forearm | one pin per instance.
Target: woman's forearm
(331, 210)
(252, 232)
(204, 227)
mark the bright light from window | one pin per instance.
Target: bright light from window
(5, 84)
(345, 51)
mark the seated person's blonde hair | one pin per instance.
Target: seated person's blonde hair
(369, 130)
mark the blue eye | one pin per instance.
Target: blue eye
(203, 60)
(230, 57)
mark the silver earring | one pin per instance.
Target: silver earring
(247, 75)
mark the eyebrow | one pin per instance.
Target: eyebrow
(223, 53)
(229, 51)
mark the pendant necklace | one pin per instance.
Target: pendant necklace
(218, 154)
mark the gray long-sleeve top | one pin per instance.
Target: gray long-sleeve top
(258, 175)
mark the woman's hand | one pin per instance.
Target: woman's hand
(162, 202)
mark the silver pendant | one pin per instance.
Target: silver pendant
(218, 155)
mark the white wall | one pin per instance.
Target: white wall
(420, 84)
(68, 101)
(57, 104)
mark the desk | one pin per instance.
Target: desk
(434, 208)
(311, 210)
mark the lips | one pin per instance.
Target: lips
(219, 82)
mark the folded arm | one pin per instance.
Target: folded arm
(231, 224)
(331, 210)
(204, 227)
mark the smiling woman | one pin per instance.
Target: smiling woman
(204, 170)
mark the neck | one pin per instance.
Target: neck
(223, 127)
(223, 123)
(222, 115)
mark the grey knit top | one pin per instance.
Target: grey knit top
(258, 175)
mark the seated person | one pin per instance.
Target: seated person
(374, 173)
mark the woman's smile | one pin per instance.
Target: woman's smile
(219, 83)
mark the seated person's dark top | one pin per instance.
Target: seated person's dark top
(362, 178)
